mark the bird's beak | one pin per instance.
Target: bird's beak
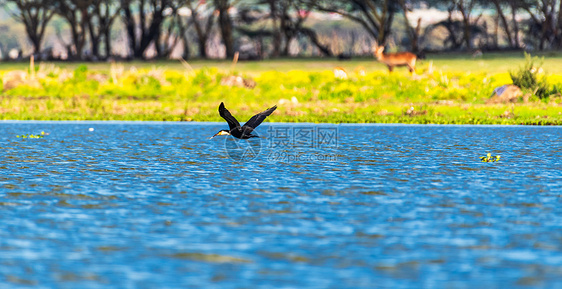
(220, 133)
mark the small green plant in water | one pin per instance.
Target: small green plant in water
(489, 158)
(43, 134)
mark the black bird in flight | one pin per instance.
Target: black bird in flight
(245, 131)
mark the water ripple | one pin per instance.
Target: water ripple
(158, 205)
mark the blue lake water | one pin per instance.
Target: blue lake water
(159, 205)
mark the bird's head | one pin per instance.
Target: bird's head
(222, 132)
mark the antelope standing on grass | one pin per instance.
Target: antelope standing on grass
(395, 59)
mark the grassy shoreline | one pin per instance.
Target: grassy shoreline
(86, 108)
(436, 95)
(475, 115)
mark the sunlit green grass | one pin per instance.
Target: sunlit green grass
(447, 89)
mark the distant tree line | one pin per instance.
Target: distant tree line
(272, 25)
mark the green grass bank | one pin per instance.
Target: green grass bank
(447, 89)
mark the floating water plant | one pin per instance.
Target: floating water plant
(33, 135)
(489, 158)
(30, 136)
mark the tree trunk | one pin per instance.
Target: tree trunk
(496, 35)
(130, 26)
(202, 32)
(34, 37)
(77, 41)
(504, 23)
(386, 22)
(286, 47)
(413, 33)
(559, 26)
(455, 44)
(94, 39)
(203, 47)
(314, 38)
(466, 27)
(414, 46)
(149, 31)
(202, 36)
(36, 41)
(275, 29)
(107, 39)
(186, 53)
(225, 23)
(515, 27)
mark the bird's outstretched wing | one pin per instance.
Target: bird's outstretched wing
(259, 118)
(224, 113)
